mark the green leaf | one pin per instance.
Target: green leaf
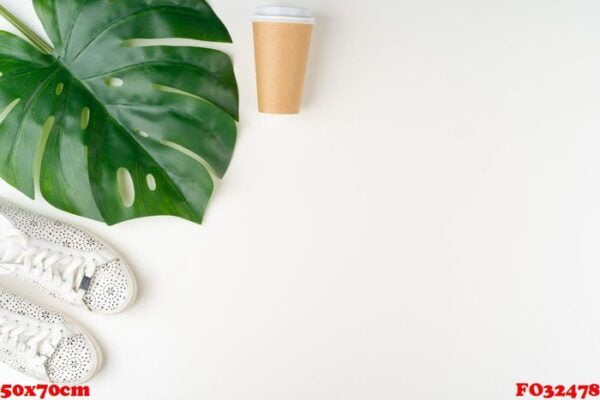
(105, 108)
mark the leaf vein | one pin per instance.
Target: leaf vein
(121, 20)
(27, 110)
(70, 33)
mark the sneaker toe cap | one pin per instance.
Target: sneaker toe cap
(111, 289)
(74, 361)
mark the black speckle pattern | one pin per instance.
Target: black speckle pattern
(18, 363)
(20, 306)
(111, 286)
(72, 362)
(49, 230)
(109, 289)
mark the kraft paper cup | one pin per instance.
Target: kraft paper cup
(282, 38)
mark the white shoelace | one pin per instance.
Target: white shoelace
(62, 273)
(31, 341)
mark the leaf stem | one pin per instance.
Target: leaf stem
(24, 29)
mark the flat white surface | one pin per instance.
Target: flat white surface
(427, 228)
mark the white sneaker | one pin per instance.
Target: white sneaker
(65, 261)
(43, 344)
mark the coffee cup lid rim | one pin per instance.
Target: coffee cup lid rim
(284, 14)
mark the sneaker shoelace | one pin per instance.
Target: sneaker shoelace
(63, 273)
(30, 341)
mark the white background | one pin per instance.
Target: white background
(427, 228)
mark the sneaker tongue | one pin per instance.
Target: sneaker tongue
(5, 224)
(9, 250)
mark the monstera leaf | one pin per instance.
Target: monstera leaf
(117, 125)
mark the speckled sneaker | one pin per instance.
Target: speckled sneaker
(43, 344)
(65, 261)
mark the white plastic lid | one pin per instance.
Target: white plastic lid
(297, 15)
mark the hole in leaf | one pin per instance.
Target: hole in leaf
(85, 118)
(114, 82)
(168, 89)
(8, 109)
(194, 156)
(46, 129)
(142, 133)
(174, 42)
(1, 74)
(151, 181)
(126, 188)
(59, 89)
(48, 125)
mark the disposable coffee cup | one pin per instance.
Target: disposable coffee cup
(282, 38)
